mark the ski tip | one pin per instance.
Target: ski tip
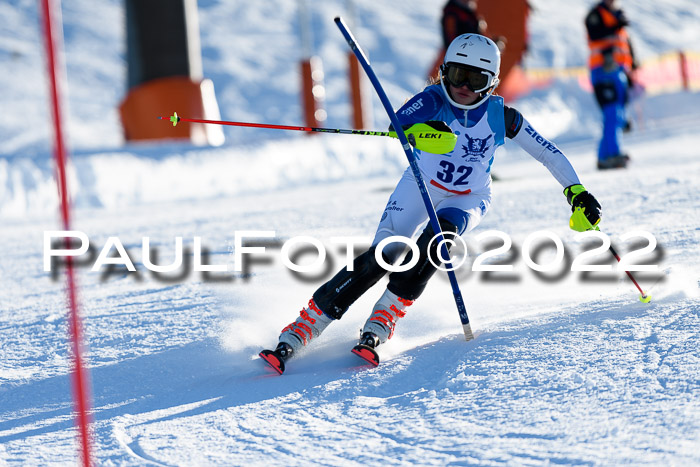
(366, 353)
(271, 359)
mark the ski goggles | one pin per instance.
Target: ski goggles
(476, 79)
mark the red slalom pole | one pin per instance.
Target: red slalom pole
(175, 119)
(428, 136)
(644, 297)
(79, 374)
(254, 125)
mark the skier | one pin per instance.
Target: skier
(611, 62)
(460, 187)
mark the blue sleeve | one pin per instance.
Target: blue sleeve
(513, 121)
(420, 108)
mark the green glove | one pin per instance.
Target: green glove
(586, 210)
(432, 136)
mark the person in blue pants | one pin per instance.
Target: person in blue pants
(611, 93)
(611, 62)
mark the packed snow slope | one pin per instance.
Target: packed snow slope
(567, 368)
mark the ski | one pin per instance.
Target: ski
(273, 359)
(276, 358)
(366, 353)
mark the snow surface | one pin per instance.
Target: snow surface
(566, 369)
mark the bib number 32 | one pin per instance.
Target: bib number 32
(449, 171)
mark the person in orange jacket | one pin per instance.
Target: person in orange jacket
(611, 62)
(460, 17)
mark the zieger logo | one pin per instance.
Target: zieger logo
(413, 107)
(543, 142)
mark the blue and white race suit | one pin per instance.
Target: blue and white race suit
(459, 182)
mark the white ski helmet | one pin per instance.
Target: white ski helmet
(474, 60)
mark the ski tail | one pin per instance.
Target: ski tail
(366, 353)
(273, 360)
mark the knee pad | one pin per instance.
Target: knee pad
(335, 296)
(446, 225)
(455, 216)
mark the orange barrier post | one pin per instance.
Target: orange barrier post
(358, 121)
(164, 71)
(313, 92)
(684, 70)
(145, 101)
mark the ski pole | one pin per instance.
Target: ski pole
(580, 223)
(466, 326)
(645, 298)
(427, 138)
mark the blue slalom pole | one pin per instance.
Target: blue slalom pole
(416, 173)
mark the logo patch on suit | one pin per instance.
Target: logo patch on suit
(476, 148)
(391, 206)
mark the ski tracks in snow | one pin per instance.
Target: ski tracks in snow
(609, 384)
